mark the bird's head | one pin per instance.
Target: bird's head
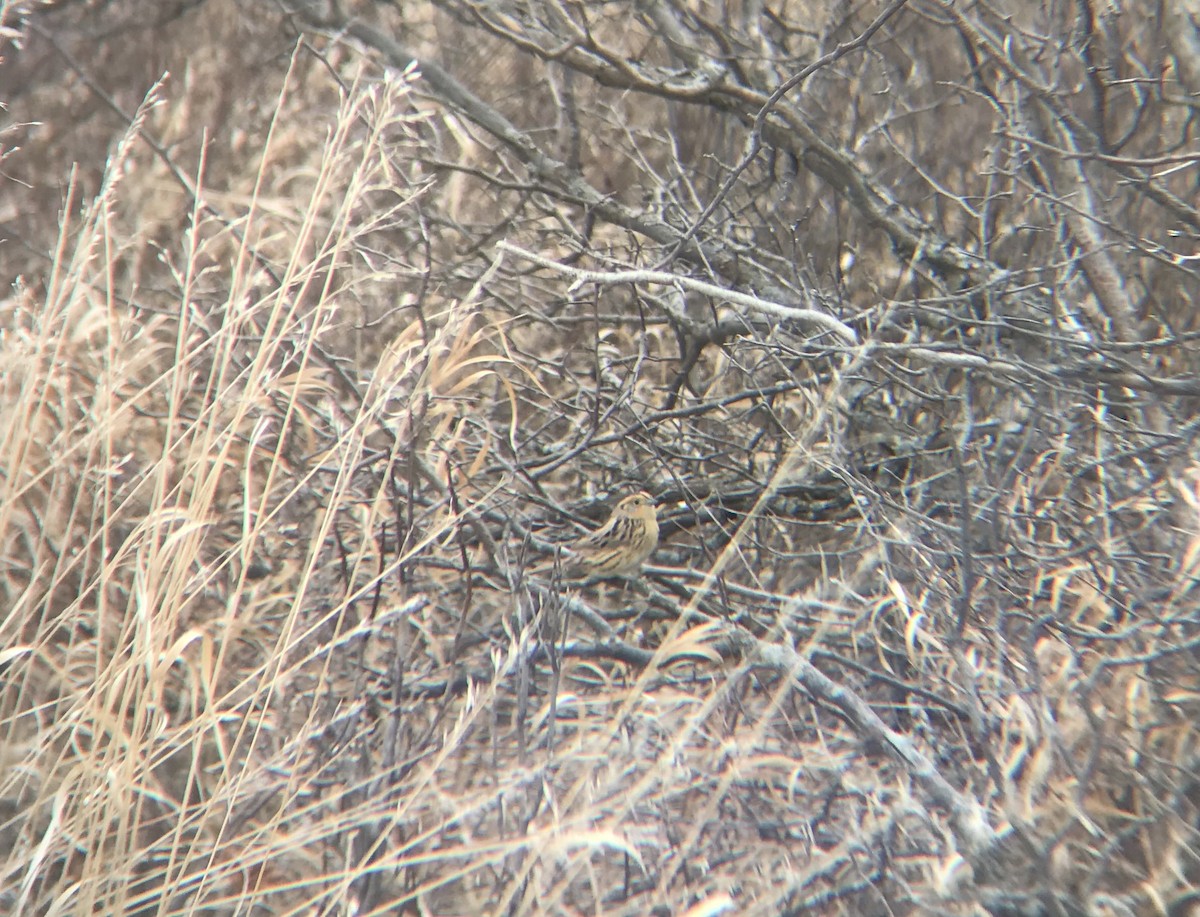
(637, 506)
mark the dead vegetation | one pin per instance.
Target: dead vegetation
(309, 354)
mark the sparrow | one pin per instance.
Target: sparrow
(620, 546)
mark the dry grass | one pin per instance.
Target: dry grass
(179, 467)
(282, 432)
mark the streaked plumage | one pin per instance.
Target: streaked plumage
(621, 545)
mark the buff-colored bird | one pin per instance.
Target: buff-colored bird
(620, 546)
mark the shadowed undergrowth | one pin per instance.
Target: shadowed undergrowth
(284, 433)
